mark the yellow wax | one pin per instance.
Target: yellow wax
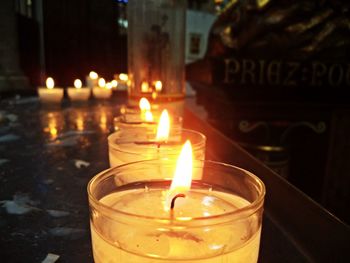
(50, 95)
(81, 94)
(101, 93)
(123, 241)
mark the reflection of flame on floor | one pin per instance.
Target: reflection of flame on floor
(79, 123)
(52, 129)
(53, 132)
(103, 122)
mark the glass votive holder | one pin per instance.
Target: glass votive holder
(136, 121)
(156, 50)
(130, 145)
(218, 220)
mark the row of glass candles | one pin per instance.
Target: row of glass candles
(160, 202)
(98, 86)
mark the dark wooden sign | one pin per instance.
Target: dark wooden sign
(278, 45)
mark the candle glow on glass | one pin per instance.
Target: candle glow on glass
(163, 129)
(158, 85)
(93, 75)
(78, 84)
(148, 116)
(50, 83)
(145, 108)
(144, 86)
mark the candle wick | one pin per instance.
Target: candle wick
(173, 200)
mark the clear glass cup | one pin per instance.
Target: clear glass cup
(130, 145)
(219, 219)
(156, 51)
(134, 121)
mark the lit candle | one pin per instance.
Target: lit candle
(158, 86)
(129, 145)
(92, 79)
(78, 93)
(142, 117)
(216, 219)
(122, 81)
(102, 91)
(50, 93)
(136, 118)
(145, 107)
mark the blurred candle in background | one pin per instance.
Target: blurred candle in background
(91, 79)
(50, 93)
(78, 93)
(102, 91)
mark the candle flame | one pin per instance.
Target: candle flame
(78, 84)
(101, 83)
(50, 83)
(182, 180)
(123, 77)
(183, 173)
(158, 85)
(144, 104)
(144, 86)
(93, 75)
(163, 129)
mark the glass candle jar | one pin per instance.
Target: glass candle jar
(136, 121)
(218, 221)
(156, 51)
(130, 145)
